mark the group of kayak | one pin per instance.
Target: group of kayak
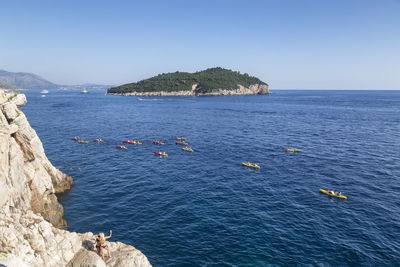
(134, 142)
(181, 142)
(189, 149)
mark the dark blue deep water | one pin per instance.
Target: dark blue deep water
(204, 208)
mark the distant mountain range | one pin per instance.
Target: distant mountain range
(32, 81)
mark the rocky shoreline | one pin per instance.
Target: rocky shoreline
(30, 214)
(254, 89)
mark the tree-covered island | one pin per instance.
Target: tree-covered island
(213, 81)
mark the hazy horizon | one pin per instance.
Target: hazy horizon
(288, 44)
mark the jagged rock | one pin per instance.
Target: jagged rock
(29, 209)
(19, 100)
(13, 128)
(25, 145)
(126, 256)
(263, 90)
(10, 110)
(86, 258)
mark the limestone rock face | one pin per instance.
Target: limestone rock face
(86, 258)
(3, 97)
(254, 89)
(29, 209)
(10, 110)
(19, 100)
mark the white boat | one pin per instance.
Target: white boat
(44, 92)
(84, 91)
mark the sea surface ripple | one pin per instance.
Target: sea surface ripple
(204, 208)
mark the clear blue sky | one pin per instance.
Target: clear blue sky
(291, 44)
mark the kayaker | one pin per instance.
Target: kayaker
(101, 244)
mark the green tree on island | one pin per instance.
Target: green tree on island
(206, 80)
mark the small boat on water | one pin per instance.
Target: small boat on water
(332, 193)
(84, 91)
(132, 142)
(75, 139)
(161, 154)
(83, 142)
(180, 138)
(182, 143)
(158, 142)
(292, 149)
(122, 147)
(44, 92)
(98, 140)
(251, 165)
(187, 149)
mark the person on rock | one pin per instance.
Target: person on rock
(101, 244)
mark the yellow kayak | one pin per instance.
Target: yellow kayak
(292, 150)
(161, 154)
(187, 149)
(82, 142)
(248, 164)
(180, 138)
(333, 195)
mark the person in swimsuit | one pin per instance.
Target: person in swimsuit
(101, 244)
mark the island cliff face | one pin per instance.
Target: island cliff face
(254, 89)
(30, 214)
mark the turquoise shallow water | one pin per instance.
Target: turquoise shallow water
(204, 208)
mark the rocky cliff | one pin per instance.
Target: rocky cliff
(254, 89)
(30, 214)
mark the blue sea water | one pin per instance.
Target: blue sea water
(204, 208)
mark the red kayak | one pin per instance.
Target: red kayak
(182, 143)
(158, 142)
(121, 147)
(98, 140)
(132, 142)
